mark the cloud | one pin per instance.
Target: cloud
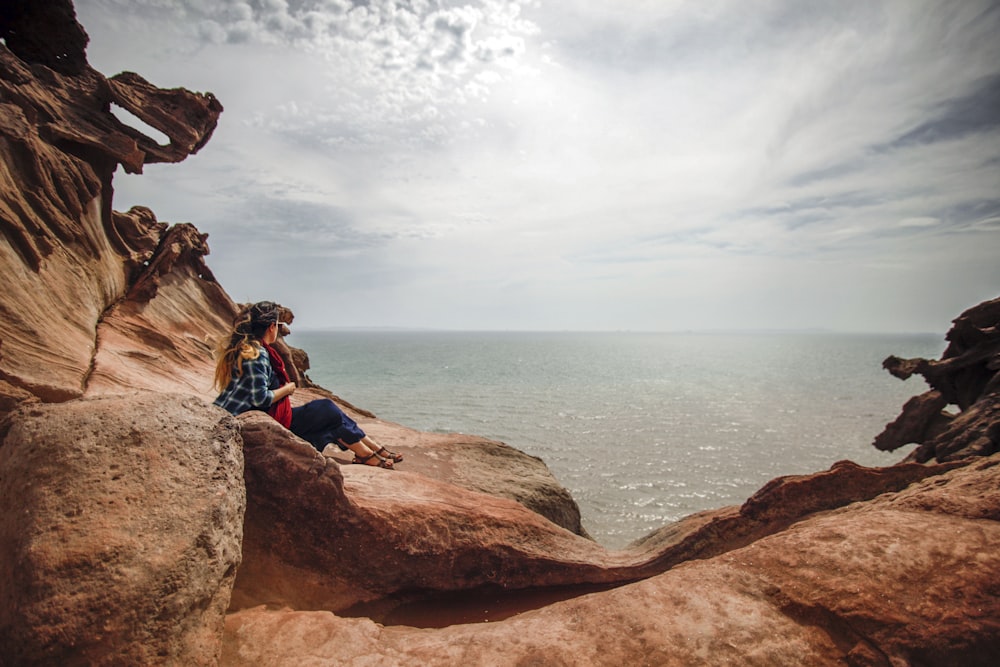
(971, 113)
(526, 164)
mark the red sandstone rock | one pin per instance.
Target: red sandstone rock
(324, 536)
(966, 376)
(482, 465)
(65, 256)
(120, 533)
(872, 583)
(164, 334)
(132, 564)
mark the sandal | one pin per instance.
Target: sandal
(363, 460)
(386, 454)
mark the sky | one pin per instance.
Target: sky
(664, 165)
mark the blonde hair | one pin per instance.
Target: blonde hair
(243, 344)
(231, 356)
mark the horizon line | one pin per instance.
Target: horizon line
(750, 330)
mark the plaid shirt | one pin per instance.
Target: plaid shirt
(252, 390)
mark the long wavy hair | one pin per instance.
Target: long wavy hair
(249, 326)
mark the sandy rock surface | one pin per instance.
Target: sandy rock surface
(862, 585)
(121, 531)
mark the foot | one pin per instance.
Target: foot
(392, 456)
(375, 461)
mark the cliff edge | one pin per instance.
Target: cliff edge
(142, 525)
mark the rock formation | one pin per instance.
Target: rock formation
(122, 531)
(141, 525)
(965, 377)
(75, 269)
(906, 579)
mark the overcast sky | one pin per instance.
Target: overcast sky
(583, 164)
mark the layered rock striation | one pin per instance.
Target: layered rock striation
(142, 525)
(82, 279)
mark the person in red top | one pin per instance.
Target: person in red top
(251, 376)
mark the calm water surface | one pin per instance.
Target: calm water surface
(643, 429)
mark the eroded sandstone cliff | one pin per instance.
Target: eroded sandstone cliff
(81, 279)
(141, 525)
(960, 415)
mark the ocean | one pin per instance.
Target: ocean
(642, 428)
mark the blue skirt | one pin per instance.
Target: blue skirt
(321, 422)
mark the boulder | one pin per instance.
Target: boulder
(474, 463)
(121, 530)
(322, 534)
(907, 578)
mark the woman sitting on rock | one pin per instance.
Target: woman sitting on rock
(252, 376)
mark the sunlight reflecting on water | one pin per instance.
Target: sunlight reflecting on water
(643, 429)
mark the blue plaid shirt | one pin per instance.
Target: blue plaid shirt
(252, 390)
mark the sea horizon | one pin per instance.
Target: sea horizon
(643, 428)
(706, 331)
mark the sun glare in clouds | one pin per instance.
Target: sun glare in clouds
(604, 165)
